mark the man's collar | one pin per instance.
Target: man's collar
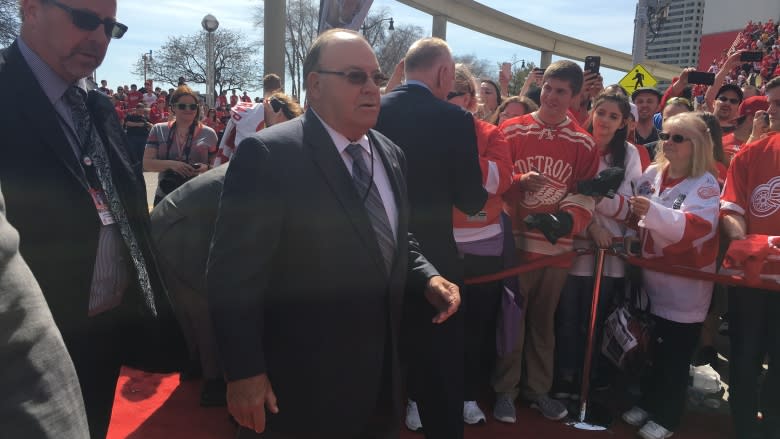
(339, 139)
(51, 83)
(416, 82)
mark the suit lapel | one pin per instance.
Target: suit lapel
(36, 107)
(338, 178)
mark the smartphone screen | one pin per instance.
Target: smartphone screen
(704, 78)
(592, 63)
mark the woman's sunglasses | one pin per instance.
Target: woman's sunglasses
(358, 77)
(89, 21)
(676, 138)
(182, 107)
(454, 94)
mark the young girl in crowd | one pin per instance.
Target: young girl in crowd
(609, 127)
(677, 205)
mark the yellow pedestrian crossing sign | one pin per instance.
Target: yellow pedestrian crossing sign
(637, 77)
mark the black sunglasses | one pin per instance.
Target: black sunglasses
(733, 101)
(191, 107)
(358, 77)
(676, 138)
(89, 21)
(455, 94)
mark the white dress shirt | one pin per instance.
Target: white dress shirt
(381, 180)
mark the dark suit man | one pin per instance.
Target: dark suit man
(440, 144)
(75, 195)
(41, 396)
(310, 258)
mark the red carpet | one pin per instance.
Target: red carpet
(151, 406)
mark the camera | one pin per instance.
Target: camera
(170, 180)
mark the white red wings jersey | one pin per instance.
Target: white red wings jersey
(610, 214)
(245, 119)
(680, 229)
(752, 190)
(566, 155)
(496, 164)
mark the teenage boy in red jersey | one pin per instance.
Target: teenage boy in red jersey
(551, 154)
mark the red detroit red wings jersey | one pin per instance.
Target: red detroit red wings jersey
(752, 189)
(564, 153)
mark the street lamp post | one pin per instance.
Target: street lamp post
(147, 61)
(210, 24)
(365, 28)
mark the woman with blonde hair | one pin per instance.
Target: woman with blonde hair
(677, 206)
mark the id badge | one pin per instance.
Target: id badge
(103, 211)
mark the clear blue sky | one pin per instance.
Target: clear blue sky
(609, 24)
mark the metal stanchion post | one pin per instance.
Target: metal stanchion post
(584, 390)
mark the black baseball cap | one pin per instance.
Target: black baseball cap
(731, 87)
(641, 90)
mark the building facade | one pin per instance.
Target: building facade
(675, 31)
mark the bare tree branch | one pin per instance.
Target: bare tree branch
(236, 64)
(9, 22)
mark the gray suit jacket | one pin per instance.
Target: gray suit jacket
(41, 397)
(182, 225)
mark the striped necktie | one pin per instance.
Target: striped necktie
(94, 156)
(368, 191)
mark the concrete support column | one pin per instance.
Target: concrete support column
(546, 59)
(273, 37)
(439, 27)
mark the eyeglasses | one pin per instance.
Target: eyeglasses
(358, 77)
(455, 94)
(732, 101)
(675, 138)
(182, 107)
(89, 21)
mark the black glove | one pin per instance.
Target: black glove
(604, 185)
(552, 225)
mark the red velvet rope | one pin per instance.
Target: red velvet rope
(531, 266)
(649, 264)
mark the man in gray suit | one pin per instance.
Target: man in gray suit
(182, 225)
(41, 396)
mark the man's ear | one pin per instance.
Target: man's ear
(313, 84)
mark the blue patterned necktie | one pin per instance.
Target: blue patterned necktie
(373, 204)
(94, 155)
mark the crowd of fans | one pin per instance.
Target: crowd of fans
(245, 236)
(641, 135)
(666, 197)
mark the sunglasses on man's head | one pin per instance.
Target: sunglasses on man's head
(358, 77)
(454, 94)
(89, 21)
(676, 138)
(182, 107)
(733, 101)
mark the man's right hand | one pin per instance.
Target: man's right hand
(247, 400)
(532, 181)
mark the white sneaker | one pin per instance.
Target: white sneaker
(651, 430)
(472, 413)
(413, 421)
(636, 416)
